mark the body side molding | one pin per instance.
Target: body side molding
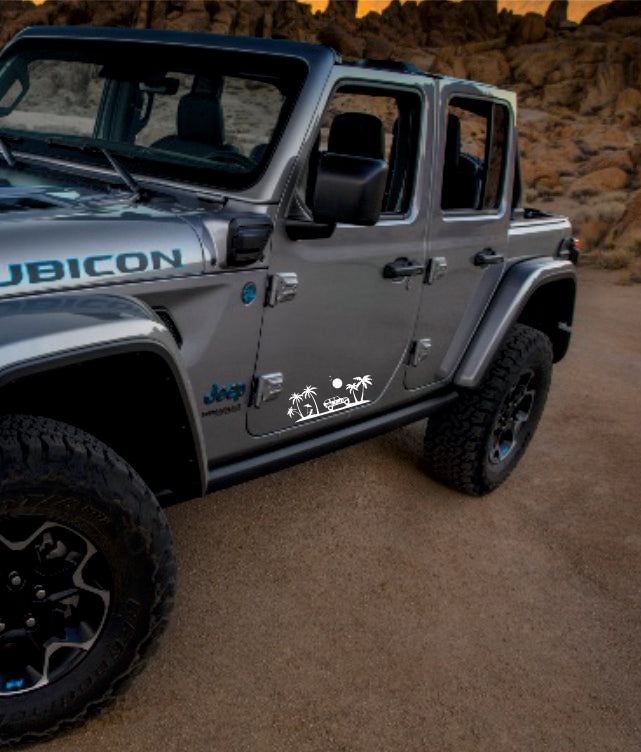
(276, 459)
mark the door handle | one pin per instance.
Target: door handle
(402, 267)
(488, 257)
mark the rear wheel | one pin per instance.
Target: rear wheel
(86, 576)
(477, 443)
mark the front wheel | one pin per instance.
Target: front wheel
(86, 576)
(475, 445)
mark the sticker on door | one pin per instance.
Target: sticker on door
(307, 403)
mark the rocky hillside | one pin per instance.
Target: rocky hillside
(579, 86)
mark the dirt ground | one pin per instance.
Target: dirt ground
(350, 603)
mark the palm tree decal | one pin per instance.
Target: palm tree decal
(334, 403)
(351, 388)
(363, 382)
(310, 391)
(296, 399)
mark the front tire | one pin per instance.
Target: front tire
(476, 444)
(87, 576)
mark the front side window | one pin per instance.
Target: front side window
(210, 116)
(372, 122)
(475, 153)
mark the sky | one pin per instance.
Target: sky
(577, 9)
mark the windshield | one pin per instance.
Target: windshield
(204, 116)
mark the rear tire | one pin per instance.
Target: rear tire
(475, 445)
(87, 576)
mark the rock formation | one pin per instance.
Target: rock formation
(579, 86)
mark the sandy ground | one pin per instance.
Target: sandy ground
(352, 604)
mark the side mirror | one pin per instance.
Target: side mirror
(349, 189)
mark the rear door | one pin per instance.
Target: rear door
(468, 227)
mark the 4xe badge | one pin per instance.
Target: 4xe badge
(232, 392)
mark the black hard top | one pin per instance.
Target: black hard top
(311, 53)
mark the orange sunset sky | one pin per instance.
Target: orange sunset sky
(578, 8)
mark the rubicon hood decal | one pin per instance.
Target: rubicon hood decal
(74, 243)
(90, 267)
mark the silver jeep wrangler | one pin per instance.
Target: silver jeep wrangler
(219, 256)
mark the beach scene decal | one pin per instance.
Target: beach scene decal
(307, 404)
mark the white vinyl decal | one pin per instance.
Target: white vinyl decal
(305, 405)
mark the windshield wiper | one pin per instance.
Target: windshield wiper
(136, 190)
(138, 193)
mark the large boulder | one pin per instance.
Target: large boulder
(602, 89)
(531, 30)
(343, 42)
(376, 47)
(601, 181)
(446, 23)
(341, 10)
(222, 15)
(557, 14)
(292, 20)
(627, 107)
(489, 67)
(615, 9)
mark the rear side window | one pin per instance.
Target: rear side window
(477, 133)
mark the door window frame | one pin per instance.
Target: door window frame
(466, 214)
(388, 89)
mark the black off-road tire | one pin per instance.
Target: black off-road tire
(81, 496)
(463, 443)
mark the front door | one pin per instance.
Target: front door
(343, 338)
(468, 229)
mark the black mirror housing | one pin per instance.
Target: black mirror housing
(349, 189)
(16, 73)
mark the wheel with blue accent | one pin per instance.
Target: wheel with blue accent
(87, 576)
(56, 591)
(474, 445)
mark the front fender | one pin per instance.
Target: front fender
(46, 332)
(517, 288)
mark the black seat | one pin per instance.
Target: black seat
(357, 134)
(462, 173)
(199, 123)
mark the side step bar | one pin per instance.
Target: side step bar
(276, 459)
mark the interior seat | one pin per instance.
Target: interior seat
(462, 173)
(357, 134)
(199, 124)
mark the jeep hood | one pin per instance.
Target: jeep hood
(55, 238)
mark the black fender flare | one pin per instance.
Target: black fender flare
(42, 333)
(518, 287)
